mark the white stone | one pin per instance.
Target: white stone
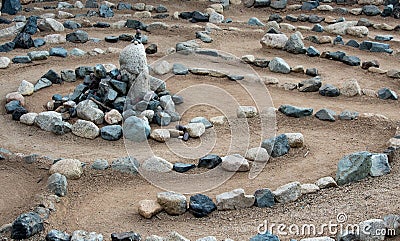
(26, 88)
(218, 120)
(357, 31)
(4, 62)
(216, 17)
(88, 110)
(28, 118)
(296, 140)
(246, 111)
(257, 154)
(309, 188)
(350, 88)
(113, 117)
(161, 135)
(64, 15)
(235, 163)
(70, 168)
(156, 164)
(195, 129)
(326, 182)
(288, 193)
(340, 28)
(55, 39)
(235, 199)
(277, 41)
(162, 67)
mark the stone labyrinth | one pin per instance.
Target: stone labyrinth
(199, 120)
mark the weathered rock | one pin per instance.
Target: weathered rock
(28, 118)
(88, 110)
(379, 165)
(126, 165)
(157, 165)
(149, 208)
(371, 10)
(253, 21)
(277, 41)
(351, 60)
(85, 129)
(26, 225)
(246, 111)
(174, 236)
(235, 199)
(81, 235)
(11, 7)
(209, 161)
(326, 115)
(257, 154)
(353, 167)
(394, 73)
(173, 203)
(100, 164)
(161, 135)
(111, 132)
(348, 115)
(265, 237)
(26, 88)
(288, 193)
(201, 205)
(340, 28)
(329, 90)
(326, 182)
(235, 163)
(294, 111)
(78, 36)
(392, 222)
(387, 94)
(350, 88)
(195, 129)
(279, 65)
(295, 140)
(126, 236)
(57, 184)
(276, 146)
(308, 188)
(70, 168)
(46, 120)
(310, 85)
(264, 198)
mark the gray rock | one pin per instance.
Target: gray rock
(379, 165)
(61, 128)
(278, 4)
(68, 75)
(235, 163)
(264, 198)
(253, 21)
(265, 237)
(279, 65)
(326, 182)
(271, 40)
(295, 45)
(204, 36)
(201, 205)
(85, 129)
(57, 184)
(348, 115)
(353, 167)
(351, 60)
(371, 10)
(310, 85)
(392, 223)
(207, 123)
(21, 60)
(88, 110)
(180, 69)
(100, 164)
(46, 120)
(126, 165)
(235, 199)
(276, 146)
(173, 203)
(111, 132)
(81, 235)
(288, 193)
(294, 111)
(136, 129)
(26, 225)
(387, 94)
(56, 235)
(157, 165)
(195, 130)
(329, 90)
(78, 36)
(190, 45)
(38, 55)
(326, 115)
(371, 230)
(394, 73)
(77, 52)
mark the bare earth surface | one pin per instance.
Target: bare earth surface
(106, 201)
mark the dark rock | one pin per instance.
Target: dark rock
(111, 39)
(203, 36)
(310, 85)
(11, 7)
(18, 112)
(186, 15)
(12, 106)
(396, 12)
(338, 40)
(387, 11)
(69, 24)
(312, 72)
(39, 42)
(78, 36)
(4, 21)
(329, 90)
(177, 99)
(294, 111)
(318, 28)
(161, 16)
(119, 86)
(105, 11)
(277, 146)
(383, 93)
(326, 115)
(151, 49)
(183, 167)
(82, 71)
(275, 17)
(265, 237)
(236, 77)
(101, 25)
(124, 6)
(135, 24)
(209, 161)
(383, 37)
(351, 60)
(57, 184)
(294, 45)
(315, 19)
(364, 22)
(126, 37)
(337, 56)
(310, 5)
(30, 26)
(53, 76)
(253, 21)
(162, 118)
(26, 225)
(312, 52)
(201, 205)
(21, 60)
(59, 52)
(56, 235)
(348, 115)
(371, 10)
(278, 4)
(353, 167)
(79, 89)
(23, 41)
(111, 132)
(264, 198)
(262, 63)
(370, 63)
(199, 17)
(353, 43)
(126, 236)
(99, 71)
(161, 9)
(7, 47)
(92, 13)
(261, 3)
(91, 4)
(180, 69)
(291, 18)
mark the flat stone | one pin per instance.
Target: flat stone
(149, 208)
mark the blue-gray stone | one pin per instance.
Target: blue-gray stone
(318, 28)
(310, 85)
(183, 167)
(203, 120)
(100, 71)
(7, 47)
(91, 4)
(177, 99)
(105, 11)
(379, 47)
(100, 164)
(119, 86)
(30, 25)
(353, 167)
(294, 111)
(351, 60)
(18, 112)
(326, 115)
(235, 77)
(69, 24)
(21, 60)
(278, 4)
(387, 94)
(53, 76)
(253, 21)
(264, 198)
(387, 11)
(199, 17)
(161, 9)
(11, 7)
(26, 225)
(180, 69)
(348, 115)
(379, 165)
(126, 165)
(261, 3)
(315, 19)
(102, 25)
(371, 10)
(136, 129)
(57, 184)
(77, 52)
(78, 36)
(82, 71)
(291, 18)
(124, 6)
(79, 89)
(162, 118)
(265, 236)
(312, 52)
(135, 24)
(56, 235)
(310, 5)
(337, 56)
(209, 161)
(329, 90)
(59, 52)
(312, 72)
(42, 83)
(203, 36)
(12, 106)
(383, 37)
(276, 146)
(353, 43)
(338, 40)
(111, 132)
(201, 205)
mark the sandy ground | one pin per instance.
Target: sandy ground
(106, 201)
